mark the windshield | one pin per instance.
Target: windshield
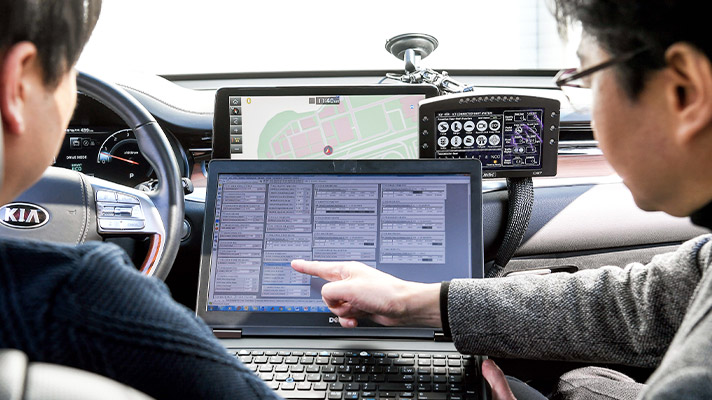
(227, 36)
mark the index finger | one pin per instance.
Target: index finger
(497, 381)
(329, 270)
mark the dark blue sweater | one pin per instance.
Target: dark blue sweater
(87, 307)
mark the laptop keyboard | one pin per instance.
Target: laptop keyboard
(342, 375)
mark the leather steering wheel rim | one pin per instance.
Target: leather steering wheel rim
(154, 145)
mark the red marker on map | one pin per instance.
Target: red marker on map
(328, 150)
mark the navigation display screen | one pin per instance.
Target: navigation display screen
(416, 227)
(365, 122)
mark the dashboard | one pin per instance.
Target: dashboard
(184, 107)
(98, 143)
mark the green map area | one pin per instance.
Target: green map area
(360, 127)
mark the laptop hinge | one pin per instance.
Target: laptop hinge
(440, 337)
(228, 333)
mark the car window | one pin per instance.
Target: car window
(218, 36)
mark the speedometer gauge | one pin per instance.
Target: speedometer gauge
(121, 160)
(118, 158)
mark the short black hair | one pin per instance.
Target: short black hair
(58, 28)
(622, 26)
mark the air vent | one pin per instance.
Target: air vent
(577, 139)
(202, 142)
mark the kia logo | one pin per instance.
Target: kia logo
(23, 215)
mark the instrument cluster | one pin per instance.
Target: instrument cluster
(109, 153)
(98, 143)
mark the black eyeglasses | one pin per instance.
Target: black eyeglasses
(572, 77)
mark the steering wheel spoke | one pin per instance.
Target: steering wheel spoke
(122, 211)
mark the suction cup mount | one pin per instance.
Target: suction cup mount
(411, 48)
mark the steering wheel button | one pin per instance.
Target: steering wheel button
(124, 198)
(122, 211)
(110, 224)
(105, 195)
(136, 212)
(132, 224)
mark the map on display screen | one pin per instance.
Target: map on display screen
(335, 126)
(331, 123)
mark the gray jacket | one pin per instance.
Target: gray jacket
(654, 315)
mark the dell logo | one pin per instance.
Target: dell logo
(333, 320)
(23, 215)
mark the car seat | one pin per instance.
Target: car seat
(24, 380)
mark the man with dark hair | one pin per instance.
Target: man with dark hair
(57, 29)
(86, 306)
(648, 65)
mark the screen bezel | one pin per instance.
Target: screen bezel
(464, 102)
(266, 322)
(221, 118)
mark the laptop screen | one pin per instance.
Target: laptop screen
(416, 220)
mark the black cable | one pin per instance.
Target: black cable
(519, 210)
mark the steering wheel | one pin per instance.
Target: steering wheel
(70, 207)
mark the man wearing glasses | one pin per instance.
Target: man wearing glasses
(648, 66)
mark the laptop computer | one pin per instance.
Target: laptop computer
(419, 220)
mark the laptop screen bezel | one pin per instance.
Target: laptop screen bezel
(266, 323)
(221, 118)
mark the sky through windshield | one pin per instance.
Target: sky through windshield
(216, 36)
